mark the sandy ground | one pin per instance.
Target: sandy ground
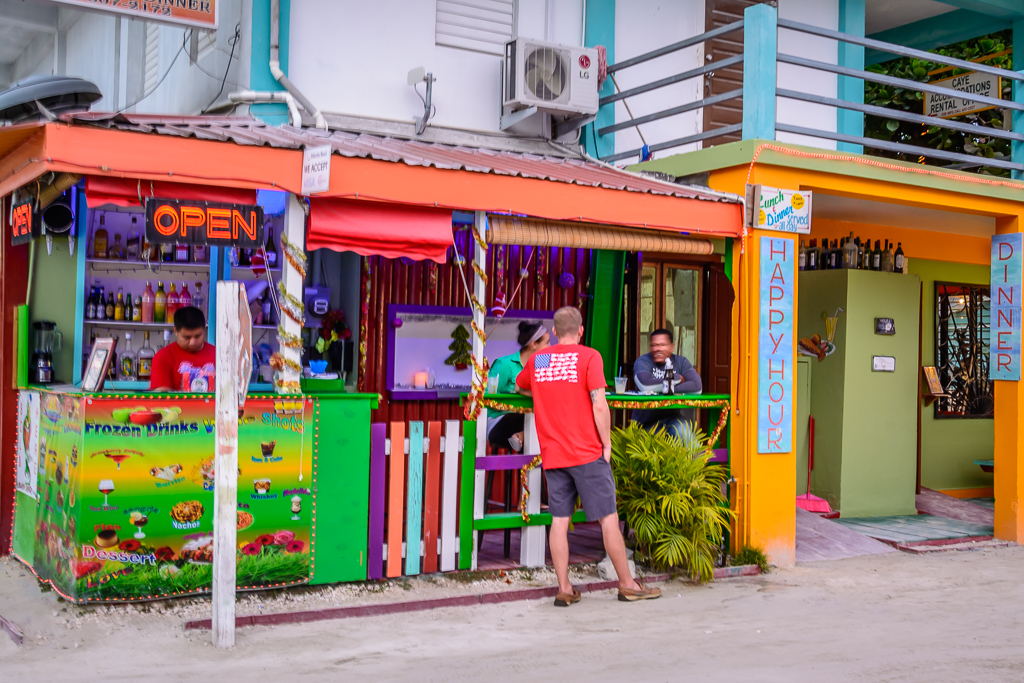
(952, 616)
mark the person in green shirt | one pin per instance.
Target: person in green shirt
(506, 429)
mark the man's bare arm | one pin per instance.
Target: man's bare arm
(603, 420)
(524, 392)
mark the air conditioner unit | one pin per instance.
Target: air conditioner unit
(557, 79)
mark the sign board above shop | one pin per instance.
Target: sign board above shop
(976, 83)
(316, 169)
(199, 13)
(770, 208)
(1007, 286)
(174, 221)
(25, 223)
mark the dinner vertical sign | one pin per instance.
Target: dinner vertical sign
(775, 347)
(1007, 269)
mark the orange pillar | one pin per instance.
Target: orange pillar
(1008, 478)
(766, 487)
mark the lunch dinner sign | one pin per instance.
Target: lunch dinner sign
(1007, 277)
(775, 346)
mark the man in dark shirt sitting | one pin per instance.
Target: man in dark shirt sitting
(650, 371)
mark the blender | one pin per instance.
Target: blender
(47, 338)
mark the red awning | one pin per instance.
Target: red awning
(100, 190)
(379, 229)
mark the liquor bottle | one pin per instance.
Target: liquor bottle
(146, 353)
(200, 253)
(172, 303)
(812, 255)
(167, 339)
(147, 304)
(137, 309)
(185, 298)
(803, 256)
(119, 305)
(899, 257)
(887, 258)
(116, 252)
(244, 257)
(133, 245)
(99, 239)
(129, 372)
(112, 368)
(198, 300)
(87, 351)
(166, 253)
(128, 307)
(876, 256)
(841, 254)
(270, 250)
(160, 304)
(850, 253)
(101, 305)
(109, 313)
(267, 308)
(835, 256)
(90, 304)
(668, 380)
(865, 255)
(181, 254)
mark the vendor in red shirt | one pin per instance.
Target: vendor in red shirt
(190, 363)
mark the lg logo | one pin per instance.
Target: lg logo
(584, 62)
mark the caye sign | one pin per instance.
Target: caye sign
(24, 224)
(174, 221)
(775, 350)
(1007, 283)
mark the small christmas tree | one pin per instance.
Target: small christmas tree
(460, 348)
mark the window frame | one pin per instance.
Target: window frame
(942, 347)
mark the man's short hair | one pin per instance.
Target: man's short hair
(189, 318)
(660, 330)
(568, 321)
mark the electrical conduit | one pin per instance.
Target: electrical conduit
(275, 65)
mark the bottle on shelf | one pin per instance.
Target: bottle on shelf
(803, 256)
(128, 307)
(167, 253)
(109, 312)
(850, 253)
(87, 351)
(147, 303)
(267, 309)
(167, 339)
(244, 257)
(133, 245)
(835, 256)
(99, 239)
(116, 252)
(160, 304)
(184, 298)
(129, 371)
(119, 305)
(900, 257)
(270, 249)
(200, 253)
(865, 257)
(145, 363)
(812, 255)
(137, 309)
(887, 258)
(198, 300)
(90, 304)
(112, 369)
(101, 305)
(172, 303)
(181, 253)
(876, 256)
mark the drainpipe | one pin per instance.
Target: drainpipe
(275, 65)
(250, 97)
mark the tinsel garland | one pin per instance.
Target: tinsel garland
(290, 306)
(291, 341)
(279, 363)
(364, 320)
(542, 268)
(523, 478)
(295, 256)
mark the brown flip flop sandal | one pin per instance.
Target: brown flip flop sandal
(565, 599)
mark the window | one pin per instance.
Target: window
(480, 25)
(151, 59)
(670, 297)
(201, 43)
(961, 350)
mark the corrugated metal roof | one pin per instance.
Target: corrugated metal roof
(244, 130)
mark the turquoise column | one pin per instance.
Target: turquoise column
(851, 20)
(1017, 148)
(260, 78)
(600, 30)
(760, 49)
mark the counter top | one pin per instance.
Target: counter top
(614, 400)
(72, 390)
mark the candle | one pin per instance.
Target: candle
(420, 380)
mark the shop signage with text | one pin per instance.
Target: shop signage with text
(199, 13)
(1007, 277)
(173, 221)
(775, 347)
(948, 106)
(771, 208)
(24, 223)
(316, 169)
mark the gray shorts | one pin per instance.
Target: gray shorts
(593, 483)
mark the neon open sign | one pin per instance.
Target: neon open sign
(24, 226)
(173, 221)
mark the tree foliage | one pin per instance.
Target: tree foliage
(671, 498)
(978, 144)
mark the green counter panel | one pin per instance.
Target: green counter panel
(23, 540)
(343, 487)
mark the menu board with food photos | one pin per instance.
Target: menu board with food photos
(126, 504)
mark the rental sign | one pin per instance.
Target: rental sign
(1007, 276)
(173, 221)
(775, 350)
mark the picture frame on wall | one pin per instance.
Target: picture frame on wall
(99, 364)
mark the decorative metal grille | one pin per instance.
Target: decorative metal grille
(962, 350)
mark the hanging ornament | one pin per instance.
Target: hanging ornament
(397, 323)
(259, 263)
(500, 306)
(542, 258)
(524, 273)
(432, 276)
(566, 280)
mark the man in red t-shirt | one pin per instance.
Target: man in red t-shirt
(574, 429)
(190, 363)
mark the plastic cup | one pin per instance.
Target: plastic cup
(620, 385)
(492, 384)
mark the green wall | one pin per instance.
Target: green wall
(950, 447)
(866, 442)
(54, 288)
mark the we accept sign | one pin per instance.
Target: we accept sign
(775, 347)
(1006, 275)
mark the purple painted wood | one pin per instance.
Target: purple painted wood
(720, 455)
(503, 462)
(375, 548)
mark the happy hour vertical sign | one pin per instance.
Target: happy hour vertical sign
(1007, 272)
(775, 347)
